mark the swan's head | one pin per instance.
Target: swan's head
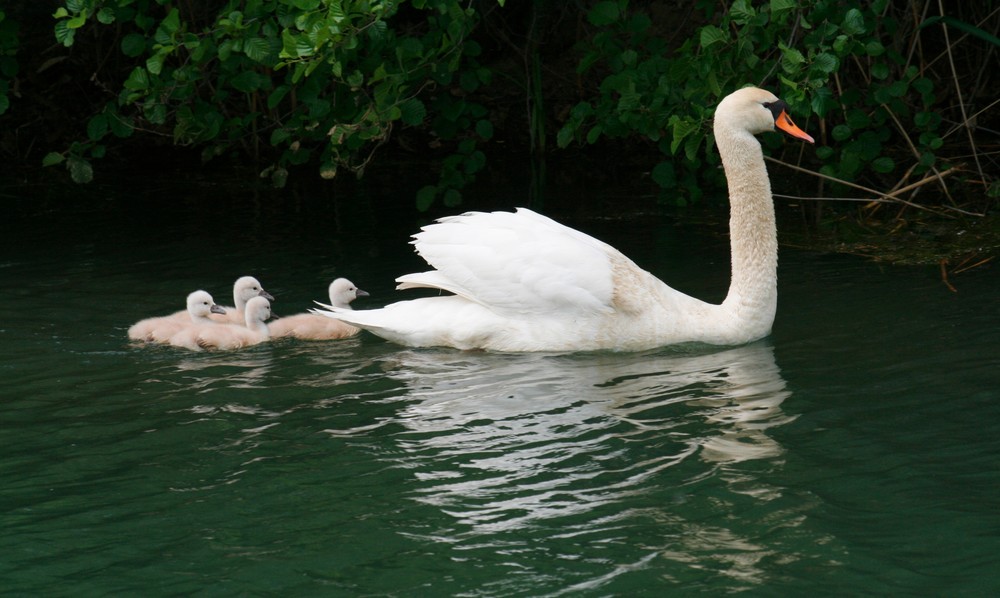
(343, 291)
(258, 310)
(756, 111)
(246, 288)
(200, 304)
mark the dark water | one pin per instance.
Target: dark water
(854, 452)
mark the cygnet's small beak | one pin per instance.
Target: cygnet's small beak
(361, 293)
(265, 295)
(217, 309)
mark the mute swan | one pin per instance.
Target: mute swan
(244, 289)
(313, 327)
(227, 337)
(200, 306)
(523, 282)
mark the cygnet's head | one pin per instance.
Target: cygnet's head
(258, 310)
(246, 288)
(343, 291)
(200, 304)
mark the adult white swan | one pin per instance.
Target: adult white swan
(522, 282)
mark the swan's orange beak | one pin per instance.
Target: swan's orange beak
(784, 122)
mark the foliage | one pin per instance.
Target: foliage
(298, 85)
(8, 62)
(846, 69)
(291, 81)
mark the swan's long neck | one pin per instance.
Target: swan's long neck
(753, 289)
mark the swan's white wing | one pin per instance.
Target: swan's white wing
(516, 263)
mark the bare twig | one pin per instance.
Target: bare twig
(958, 90)
(962, 267)
(944, 276)
(893, 197)
(916, 153)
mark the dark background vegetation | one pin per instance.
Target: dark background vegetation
(901, 96)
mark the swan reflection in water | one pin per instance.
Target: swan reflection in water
(583, 445)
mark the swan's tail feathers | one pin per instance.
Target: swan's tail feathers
(358, 319)
(435, 280)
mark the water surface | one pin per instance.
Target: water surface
(853, 452)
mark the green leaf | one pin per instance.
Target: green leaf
(779, 7)
(566, 135)
(64, 34)
(257, 49)
(880, 70)
(841, 132)
(122, 127)
(823, 101)
(138, 80)
(80, 170)
(249, 81)
(106, 16)
(664, 175)
(474, 163)
(854, 22)
(712, 35)
(277, 95)
(603, 13)
(78, 21)
(825, 62)
(874, 48)
(133, 45)
(484, 129)
(278, 136)
(452, 198)
(412, 112)
(823, 152)
(154, 64)
(425, 197)
(682, 127)
(857, 118)
(97, 127)
(53, 158)
(594, 134)
(742, 12)
(883, 164)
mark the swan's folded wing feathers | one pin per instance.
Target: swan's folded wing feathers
(516, 263)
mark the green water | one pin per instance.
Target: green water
(854, 452)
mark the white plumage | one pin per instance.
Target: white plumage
(523, 282)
